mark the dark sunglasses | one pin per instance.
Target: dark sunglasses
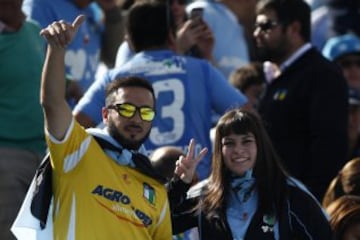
(266, 26)
(128, 110)
(346, 63)
(180, 2)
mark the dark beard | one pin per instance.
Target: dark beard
(276, 54)
(125, 142)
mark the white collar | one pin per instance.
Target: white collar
(297, 54)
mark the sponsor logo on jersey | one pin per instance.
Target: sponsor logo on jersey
(129, 213)
(111, 194)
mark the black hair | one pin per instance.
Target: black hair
(288, 12)
(129, 81)
(149, 24)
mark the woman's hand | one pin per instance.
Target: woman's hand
(186, 165)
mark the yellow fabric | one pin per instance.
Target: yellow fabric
(95, 198)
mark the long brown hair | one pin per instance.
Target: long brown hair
(269, 174)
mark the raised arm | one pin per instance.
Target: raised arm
(57, 112)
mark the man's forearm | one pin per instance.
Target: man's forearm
(57, 112)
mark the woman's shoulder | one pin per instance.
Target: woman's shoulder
(307, 218)
(298, 189)
(301, 201)
(197, 189)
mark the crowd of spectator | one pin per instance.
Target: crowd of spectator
(290, 66)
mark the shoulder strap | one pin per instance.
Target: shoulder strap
(143, 165)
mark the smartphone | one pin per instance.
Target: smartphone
(196, 13)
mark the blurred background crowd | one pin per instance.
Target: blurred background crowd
(299, 70)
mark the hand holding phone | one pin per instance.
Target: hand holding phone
(196, 14)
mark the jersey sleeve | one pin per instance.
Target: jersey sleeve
(223, 95)
(124, 53)
(65, 154)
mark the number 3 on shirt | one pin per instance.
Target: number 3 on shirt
(172, 110)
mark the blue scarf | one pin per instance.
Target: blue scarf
(123, 158)
(243, 185)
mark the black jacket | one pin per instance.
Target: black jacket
(305, 111)
(301, 218)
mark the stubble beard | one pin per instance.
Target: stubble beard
(128, 143)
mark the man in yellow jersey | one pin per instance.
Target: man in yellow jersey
(101, 193)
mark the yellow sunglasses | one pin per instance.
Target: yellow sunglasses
(128, 110)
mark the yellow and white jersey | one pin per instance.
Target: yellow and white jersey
(96, 198)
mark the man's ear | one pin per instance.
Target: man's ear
(105, 115)
(294, 33)
(294, 29)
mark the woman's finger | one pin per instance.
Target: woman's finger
(201, 155)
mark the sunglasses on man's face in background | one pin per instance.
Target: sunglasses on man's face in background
(128, 110)
(266, 26)
(347, 63)
(180, 2)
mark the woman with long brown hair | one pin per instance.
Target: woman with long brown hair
(248, 194)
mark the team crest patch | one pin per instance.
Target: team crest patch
(149, 193)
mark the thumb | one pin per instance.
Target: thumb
(78, 21)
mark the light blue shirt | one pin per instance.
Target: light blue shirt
(322, 24)
(230, 50)
(242, 206)
(186, 90)
(123, 55)
(83, 54)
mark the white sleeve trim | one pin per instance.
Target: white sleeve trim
(162, 214)
(67, 134)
